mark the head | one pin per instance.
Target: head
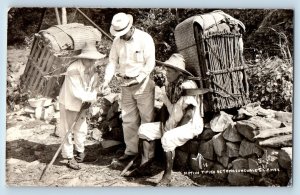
(128, 35)
(89, 55)
(175, 66)
(121, 24)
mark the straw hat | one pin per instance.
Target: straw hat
(176, 61)
(90, 52)
(121, 24)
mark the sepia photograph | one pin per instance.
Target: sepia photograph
(149, 97)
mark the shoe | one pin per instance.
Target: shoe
(79, 157)
(126, 157)
(72, 163)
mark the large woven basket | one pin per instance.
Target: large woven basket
(212, 47)
(47, 58)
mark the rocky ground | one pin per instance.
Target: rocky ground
(31, 144)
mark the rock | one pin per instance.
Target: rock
(220, 122)
(181, 159)
(190, 147)
(219, 144)
(96, 134)
(279, 141)
(240, 163)
(12, 161)
(285, 117)
(207, 134)
(206, 149)
(231, 134)
(285, 157)
(253, 165)
(194, 162)
(224, 160)
(232, 149)
(248, 148)
(242, 114)
(239, 179)
(266, 133)
(249, 128)
(220, 172)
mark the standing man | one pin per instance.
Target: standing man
(77, 91)
(131, 60)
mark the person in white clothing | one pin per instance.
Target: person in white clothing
(77, 90)
(131, 60)
(185, 112)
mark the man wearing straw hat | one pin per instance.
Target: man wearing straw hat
(131, 60)
(77, 91)
(184, 121)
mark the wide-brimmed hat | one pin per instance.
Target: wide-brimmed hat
(90, 52)
(121, 24)
(177, 62)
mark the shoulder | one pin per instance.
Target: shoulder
(74, 67)
(189, 84)
(143, 34)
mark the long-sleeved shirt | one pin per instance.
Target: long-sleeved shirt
(133, 58)
(77, 87)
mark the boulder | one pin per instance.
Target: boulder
(232, 149)
(249, 128)
(207, 134)
(224, 160)
(285, 157)
(240, 163)
(277, 142)
(231, 134)
(220, 172)
(253, 165)
(285, 117)
(266, 133)
(206, 149)
(181, 159)
(219, 144)
(239, 179)
(248, 148)
(221, 122)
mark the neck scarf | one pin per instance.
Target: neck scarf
(174, 89)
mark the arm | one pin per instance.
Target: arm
(77, 89)
(149, 56)
(113, 61)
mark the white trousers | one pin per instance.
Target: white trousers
(79, 132)
(171, 138)
(137, 108)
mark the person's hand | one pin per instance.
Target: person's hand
(86, 105)
(104, 88)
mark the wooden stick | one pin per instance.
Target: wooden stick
(57, 16)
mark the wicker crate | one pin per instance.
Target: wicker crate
(47, 60)
(212, 47)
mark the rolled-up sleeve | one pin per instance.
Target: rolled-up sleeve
(149, 57)
(113, 61)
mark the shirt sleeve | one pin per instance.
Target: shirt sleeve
(113, 61)
(77, 89)
(149, 56)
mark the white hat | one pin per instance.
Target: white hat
(176, 61)
(90, 52)
(121, 24)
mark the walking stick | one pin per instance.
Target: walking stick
(64, 140)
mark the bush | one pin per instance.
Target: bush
(271, 84)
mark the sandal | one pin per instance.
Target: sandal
(72, 163)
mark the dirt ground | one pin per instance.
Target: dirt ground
(31, 144)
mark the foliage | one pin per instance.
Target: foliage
(271, 84)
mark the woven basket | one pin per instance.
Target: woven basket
(45, 58)
(211, 48)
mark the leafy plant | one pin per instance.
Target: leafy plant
(271, 84)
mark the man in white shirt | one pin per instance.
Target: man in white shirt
(132, 59)
(78, 89)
